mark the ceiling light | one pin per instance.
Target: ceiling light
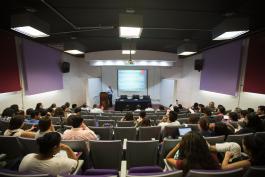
(127, 52)
(186, 53)
(29, 25)
(231, 28)
(130, 25)
(230, 35)
(187, 49)
(74, 48)
(74, 52)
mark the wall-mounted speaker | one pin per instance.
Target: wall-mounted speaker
(65, 67)
(198, 64)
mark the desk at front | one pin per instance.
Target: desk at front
(120, 104)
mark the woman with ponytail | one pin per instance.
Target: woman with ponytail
(45, 161)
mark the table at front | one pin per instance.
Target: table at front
(120, 105)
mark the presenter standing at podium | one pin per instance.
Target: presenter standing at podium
(110, 92)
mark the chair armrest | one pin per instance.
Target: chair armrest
(78, 168)
(168, 167)
(123, 168)
(2, 157)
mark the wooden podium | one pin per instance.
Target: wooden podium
(104, 100)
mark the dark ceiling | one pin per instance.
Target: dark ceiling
(166, 23)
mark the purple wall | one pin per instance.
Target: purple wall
(221, 69)
(41, 68)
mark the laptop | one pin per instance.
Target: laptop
(184, 130)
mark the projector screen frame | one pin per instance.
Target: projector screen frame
(147, 86)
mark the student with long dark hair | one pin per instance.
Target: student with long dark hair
(45, 161)
(253, 124)
(192, 153)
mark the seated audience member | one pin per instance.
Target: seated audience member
(8, 112)
(28, 112)
(138, 108)
(96, 109)
(45, 161)
(15, 108)
(242, 115)
(142, 115)
(145, 123)
(201, 108)
(228, 146)
(220, 128)
(207, 112)
(15, 128)
(261, 112)
(79, 130)
(180, 107)
(59, 112)
(77, 111)
(35, 115)
(250, 110)
(204, 127)
(128, 117)
(39, 107)
(220, 110)
(149, 108)
(212, 107)
(254, 146)
(253, 124)
(161, 108)
(74, 106)
(171, 121)
(195, 107)
(233, 116)
(84, 107)
(176, 109)
(192, 153)
(45, 126)
(193, 119)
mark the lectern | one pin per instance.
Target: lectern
(104, 100)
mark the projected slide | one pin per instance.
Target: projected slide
(132, 80)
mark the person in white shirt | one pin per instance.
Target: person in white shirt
(15, 128)
(149, 108)
(96, 109)
(45, 161)
(234, 148)
(172, 120)
(79, 130)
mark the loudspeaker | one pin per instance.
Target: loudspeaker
(65, 67)
(198, 64)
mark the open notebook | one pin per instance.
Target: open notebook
(63, 153)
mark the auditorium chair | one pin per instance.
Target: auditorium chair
(237, 138)
(90, 122)
(28, 145)
(88, 116)
(171, 132)
(215, 139)
(141, 153)
(10, 146)
(178, 173)
(148, 133)
(183, 120)
(216, 173)
(125, 124)
(104, 133)
(55, 120)
(106, 123)
(78, 146)
(3, 125)
(255, 171)
(121, 133)
(167, 146)
(106, 154)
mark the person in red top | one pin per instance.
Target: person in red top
(192, 153)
